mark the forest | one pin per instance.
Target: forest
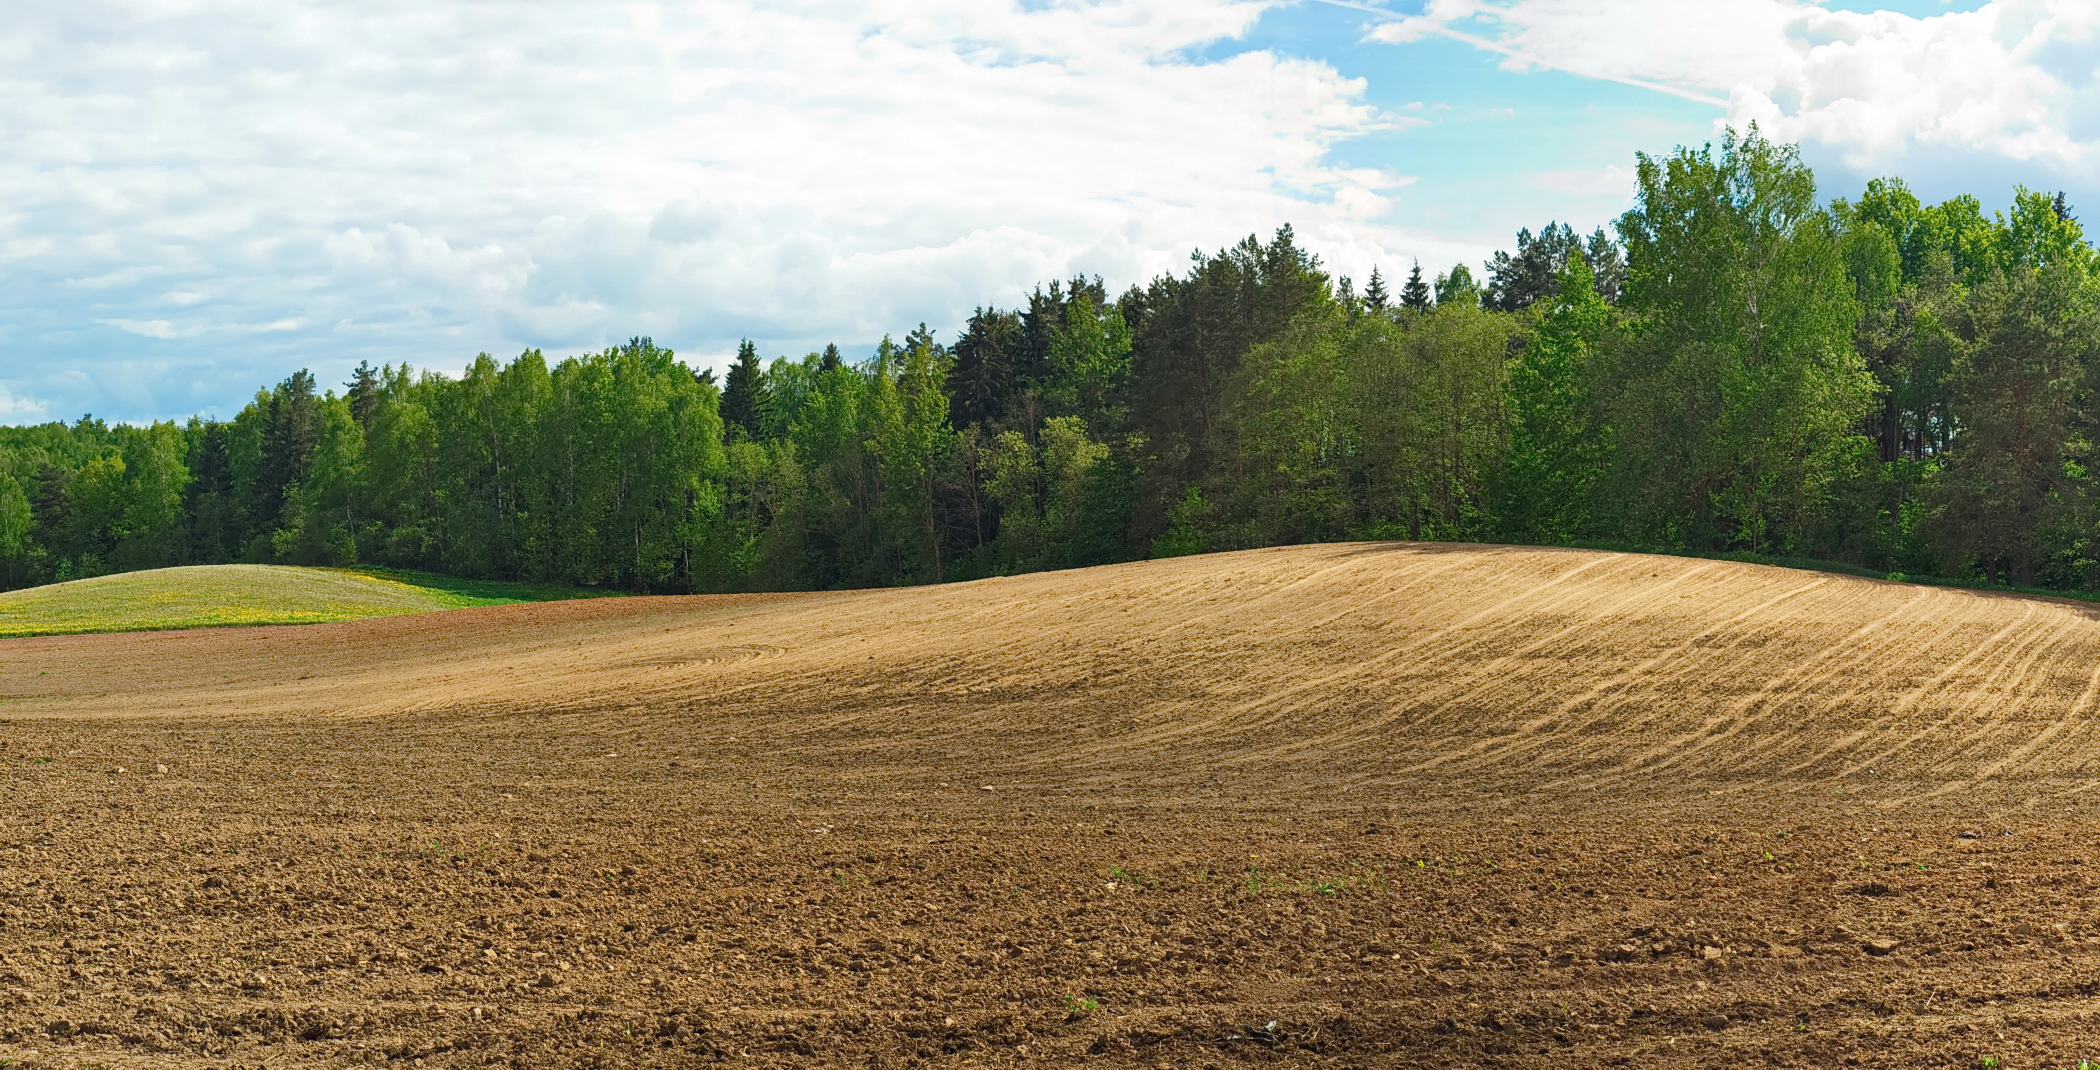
(1736, 367)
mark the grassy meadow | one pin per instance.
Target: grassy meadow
(199, 596)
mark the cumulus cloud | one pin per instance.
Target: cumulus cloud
(242, 186)
(2005, 91)
(20, 407)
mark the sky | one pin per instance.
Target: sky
(198, 197)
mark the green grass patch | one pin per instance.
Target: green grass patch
(200, 596)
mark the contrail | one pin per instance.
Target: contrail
(1497, 46)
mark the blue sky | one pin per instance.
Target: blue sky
(199, 196)
(1497, 149)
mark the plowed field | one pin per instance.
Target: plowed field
(1359, 805)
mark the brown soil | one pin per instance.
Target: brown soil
(1365, 805)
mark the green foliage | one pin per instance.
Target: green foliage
(910, 437)
(1184, 534)
(1431, 402)
(1300, 436)
(1415, 295)
(1739, 388)
(15, 517)
(1373, 425)
(1559, 430)
(1456, 287)
(1078, 1007)
(460, 592)
(744, 396)
(2015, 480)
(1186, 348)
(2034, 237)
(1090, 362)
(1877, 384)
(1045, 493)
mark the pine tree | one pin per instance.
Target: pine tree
(832, 361)
(1415, 296)
(363, 393)
(1375, 294)
(922, 337)
(1607, 264)
(1516, 282)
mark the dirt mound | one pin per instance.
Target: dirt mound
(1339, 805)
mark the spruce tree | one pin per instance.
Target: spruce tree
(983, 375)
(1415, 296)
(742, 405)
(1375, 294)
(215, 532)
(289, 435)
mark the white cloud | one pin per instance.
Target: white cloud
(20, 407)
(254, 185)
(161, 329)
(2002, 91)
(1612, 181)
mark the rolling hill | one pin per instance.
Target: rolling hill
(1357, 805)
(1362, 668)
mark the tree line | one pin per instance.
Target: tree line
(1902, 386)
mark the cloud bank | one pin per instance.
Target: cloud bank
(198, 196)
(209, 192)
(1969, 99)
